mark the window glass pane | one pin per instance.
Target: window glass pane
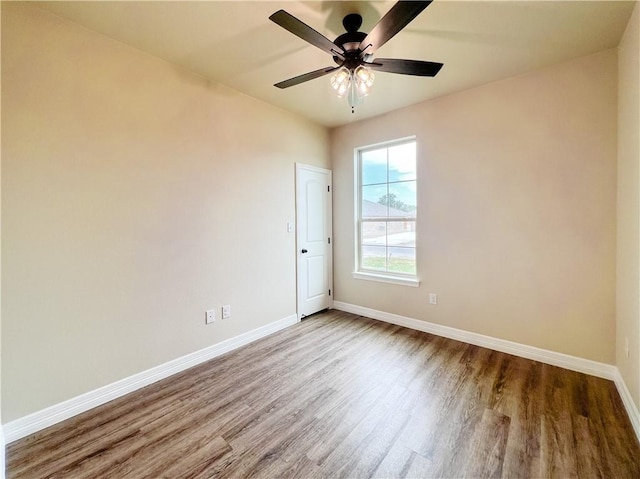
(401, 233)
(401, 260)
(402, 162)
(374, 201)
(374, 257)
(374, 233)
(374, 166)
(388, 206)
(402, 199)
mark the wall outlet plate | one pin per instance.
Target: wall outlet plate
(226, 311)
(210, 316)
(433, 298)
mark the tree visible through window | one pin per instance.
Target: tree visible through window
(387, 209)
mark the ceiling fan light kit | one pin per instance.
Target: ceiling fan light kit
(353, 51)
(340, 81)
(355, 84)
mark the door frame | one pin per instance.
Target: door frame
(329, 226)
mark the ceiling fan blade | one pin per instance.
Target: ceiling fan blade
(308, 34)
(305, 77)
(395, 20)
(405, 67)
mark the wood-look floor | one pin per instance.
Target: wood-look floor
(343, 396)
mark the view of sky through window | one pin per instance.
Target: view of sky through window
(390, 173)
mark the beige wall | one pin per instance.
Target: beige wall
(517, 202)
(135, 195)
(628, 272)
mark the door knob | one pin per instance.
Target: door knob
(304, 251)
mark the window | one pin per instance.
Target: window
(386, 208)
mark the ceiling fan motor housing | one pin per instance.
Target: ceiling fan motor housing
(350, 42)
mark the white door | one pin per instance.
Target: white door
(313, 210)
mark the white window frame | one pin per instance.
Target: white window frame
(372, 275)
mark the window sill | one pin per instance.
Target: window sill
(413, 282)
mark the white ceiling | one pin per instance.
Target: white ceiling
(234, 43)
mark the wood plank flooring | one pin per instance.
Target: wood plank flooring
(343, 396)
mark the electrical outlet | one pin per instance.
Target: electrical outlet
(210, 316)
(226, 311)
(433, 298)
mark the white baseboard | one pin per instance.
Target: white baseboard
(565, 361)
(594, 368)
(629, 405)
(59, 412)
(47, 417)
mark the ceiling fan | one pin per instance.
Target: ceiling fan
(353, 51)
